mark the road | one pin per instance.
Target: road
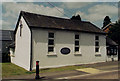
(98, 71)
(101, 75)
(105, 70)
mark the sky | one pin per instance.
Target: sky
(93, 11)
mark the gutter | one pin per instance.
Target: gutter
(31, 50)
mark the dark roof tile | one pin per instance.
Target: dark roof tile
(42, 21)
(109, 41)
(6, 35)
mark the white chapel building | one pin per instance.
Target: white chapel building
(56, 42)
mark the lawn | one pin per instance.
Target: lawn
(9, 69)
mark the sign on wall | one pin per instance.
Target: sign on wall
(65, 50)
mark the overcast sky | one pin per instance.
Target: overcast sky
(91, 10)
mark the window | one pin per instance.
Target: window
(76, 49)
(112, 51)
(50, 42)
(115, 51)
(77, 43)
(96, 49)
(51, 35)
(108, 50)
(96, 37)
(97, 44)
(76, 36)
(50, 49)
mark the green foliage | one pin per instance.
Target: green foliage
(114, 32)
(106, 21)
(76, 17)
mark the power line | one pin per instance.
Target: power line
(57, 9)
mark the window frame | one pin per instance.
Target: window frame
(50, 36)
(96, 49)
(53, 44)
(77, 45)
(49, 49)
(96, 37)
(97, 44)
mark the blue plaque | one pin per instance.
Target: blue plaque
(65, 50)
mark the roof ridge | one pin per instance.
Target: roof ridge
(43, 15)
(43, 21)
(51, 16)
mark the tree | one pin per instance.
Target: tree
(106, 21)
(76, 17)
(73, 17)
(114, 32)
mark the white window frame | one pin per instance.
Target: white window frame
(51, 52)
(77, 52)
(98, 44)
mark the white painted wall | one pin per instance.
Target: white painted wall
(102, 42)
(66, 39)
(23, 46)
(112, 58)
(12, 54)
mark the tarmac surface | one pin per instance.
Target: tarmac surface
(106, 71)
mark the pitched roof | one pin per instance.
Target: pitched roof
(42, 21)
(109, 41)
(6, 35)
(110, 24)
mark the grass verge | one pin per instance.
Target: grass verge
(9, 69)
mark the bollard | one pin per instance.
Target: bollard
(37, 70)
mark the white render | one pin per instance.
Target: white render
(23, 46)
(112, 57)
(63, 38)
(66, 39)
(12, 54)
